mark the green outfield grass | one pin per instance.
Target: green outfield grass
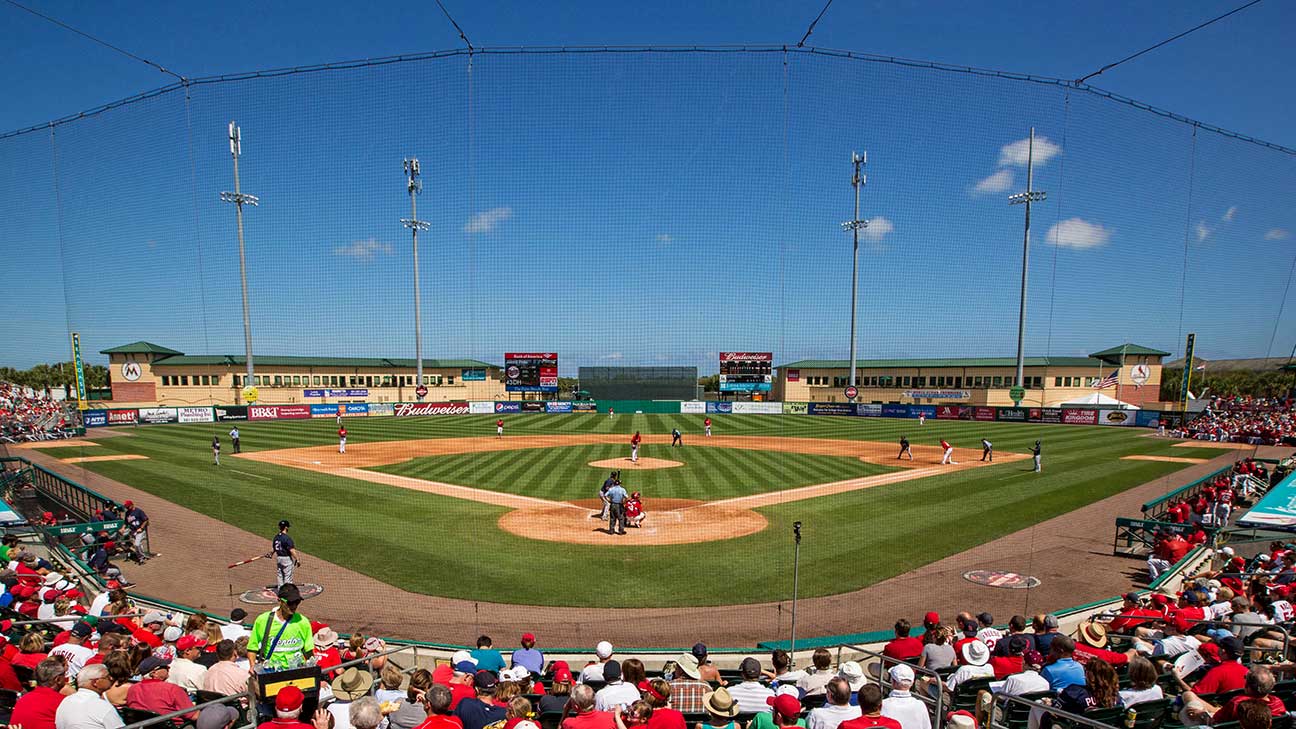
(416, 540)
(563, 474)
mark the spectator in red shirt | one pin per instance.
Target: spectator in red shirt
(1006, 665)
(1091, 643)
(1228, 675)
(584, 716)
(931, 626)
(657, 693)
(1259, 687)
(903, 647)
(35, 709)
(154, 693)
(288, 706)
(326, 652)
(437, 701)
(969, 627)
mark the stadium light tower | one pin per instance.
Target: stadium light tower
(240, 198)
(1025, 198)
(854, 225)
(414, 186)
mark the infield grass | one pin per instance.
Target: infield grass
(417, 540)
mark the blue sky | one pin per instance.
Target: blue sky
(649, 208)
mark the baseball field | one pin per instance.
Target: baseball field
(441, 506)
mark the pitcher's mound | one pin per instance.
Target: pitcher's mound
(644, 464)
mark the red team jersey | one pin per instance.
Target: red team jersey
(634, 440)
(341, 432)
(499, 423)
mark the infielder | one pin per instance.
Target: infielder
(987, 450)
(677, 438)
(707, 423)
(215, 450)
(342, 439)
(499, 428)
(285, 554)
(948, 459)
(904, 448)
(635, 440)
(234, 438)
(922, 418)
(1036, 453)
(610, 412)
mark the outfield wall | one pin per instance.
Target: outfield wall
(241, 413)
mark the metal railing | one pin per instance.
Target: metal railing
(935, 704)
(1137, 537)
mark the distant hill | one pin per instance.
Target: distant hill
(1255, 364)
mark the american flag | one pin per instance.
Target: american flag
(1107, 381)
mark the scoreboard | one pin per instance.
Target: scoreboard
(531, 371)
(746, 371)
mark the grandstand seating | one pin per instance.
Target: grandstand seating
(28, 415)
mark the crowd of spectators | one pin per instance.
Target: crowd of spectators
(27, 415)
(1257, 421)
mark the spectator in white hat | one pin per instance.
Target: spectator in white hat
(594, 671)
(902, 705)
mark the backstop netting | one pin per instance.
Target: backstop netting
(631, 211)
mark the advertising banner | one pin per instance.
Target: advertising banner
(895, 411)
(714, 408)
(936, 394)
(263, 412)
(796, 408)
(80, 372)
(481, 407)
(948, 412)
(794, 375)
(157, 416)
(382, 408)
(350, 409)
(967, 412)
(312, 393)
(225, 413)
(195, 415)
(1147, 418)
(1045, 415)
(558, 407)
(869, 410)
(584, 407)
(323, 411)
(1172, 420)
(411, 409)
(927, 411)
(122, 417)
(532, 406)
(1116, 417)
(746, 371)
(531, 371)
(473, 375)
(1017, 415)
(758, 408)
(693, 407)
(832, 408)
(508, 407)
(95, 418)
(984, 413)
(1072, 416)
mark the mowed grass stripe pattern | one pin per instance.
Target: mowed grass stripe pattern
(425, 543)
(563, 474)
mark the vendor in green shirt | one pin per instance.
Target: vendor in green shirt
(281, 639)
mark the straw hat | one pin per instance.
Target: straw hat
(720, 703)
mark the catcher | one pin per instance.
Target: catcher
(634, 510)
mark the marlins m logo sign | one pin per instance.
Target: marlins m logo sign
(131, 371)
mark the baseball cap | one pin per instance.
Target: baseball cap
(190, 641)
(151, 664)
(216, 716)
(603, 649)
(484, 680)
(1033, 658)
(931, 618)
(785, 705)
(612, 671)
(81, 630)
(151, 617)
(290, 593)
(699, 651)
(528, 637)
(289, 698)
(901, 674)
(562, 674)
(172, 634)
(1230, 645)
(128, 503)
(1050, 621)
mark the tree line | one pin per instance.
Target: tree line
(59, 374)
(1229, 383)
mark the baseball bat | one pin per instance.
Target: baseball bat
(253, 559)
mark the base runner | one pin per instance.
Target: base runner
(707, 423)
(949, 453)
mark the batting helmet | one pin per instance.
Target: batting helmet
(283, 524)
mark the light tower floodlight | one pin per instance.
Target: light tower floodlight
(415, 186)
(855, 225)
(1025, 198)
(240, 198)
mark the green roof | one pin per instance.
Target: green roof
(238, 360)
(874, 364)
(1127, 349)
(140, 347)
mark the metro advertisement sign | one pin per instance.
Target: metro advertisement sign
(411, 409)
(195, 415)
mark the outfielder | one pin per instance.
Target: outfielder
(285, 554)
(215, 450)
(342, 439)
(707, 423)
(904, 448)
(635, 440)
(1035, 452)
(922, 418)
(987, 450)
(949, 453)
(499, 428)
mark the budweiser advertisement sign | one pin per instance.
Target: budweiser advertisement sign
(410, 409)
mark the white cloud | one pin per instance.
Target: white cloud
(878, 228)
(1277, 234)
(1014, 153)
(487, 221)
(998, 182)
(364, 250)
(664, 238)
(1229, 214)
(613, 355)
(1077, 233)
(1202, 230)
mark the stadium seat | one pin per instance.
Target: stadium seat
(1017, 716)
(1151, 714)
(964, 698)
(550, 719)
